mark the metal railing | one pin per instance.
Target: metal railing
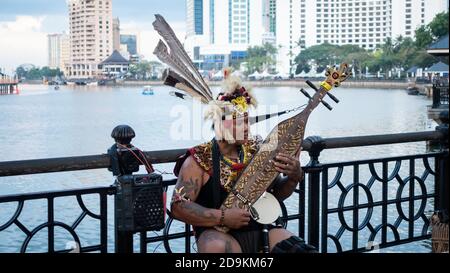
(440, 95)
(386, 179)
(313, 193)
(51, 224)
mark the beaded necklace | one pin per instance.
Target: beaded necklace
(235, 167)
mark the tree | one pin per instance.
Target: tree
(359, 61)
(140, 71)
(320, 55)
(439, 25)
(326, 55)
(423, 59)
(36, 73)
(404, 52)
(423, 37)
(260, 57)
(393, 54)
(21, 72)
(400, 53)
(50, 73)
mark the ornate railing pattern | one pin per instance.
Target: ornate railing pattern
(440, 95)
(51, 224)
(315, 211)
(392, 186)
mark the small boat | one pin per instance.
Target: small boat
(413, 90)
(148, 90)
(57, 87)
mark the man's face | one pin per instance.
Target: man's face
(235, 128)
(240, 129)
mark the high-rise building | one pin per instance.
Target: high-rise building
(270, 16)
(366, 23)
(91, 36)
(116, 34)
(194, 17)
(58, 51)
(408, 15)
(131, 42)
(65, 54)
(220, 31)
(288, 30)
(54, 50)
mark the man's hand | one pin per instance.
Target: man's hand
(236, 218)
(289, 166)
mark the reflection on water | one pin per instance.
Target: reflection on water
(73, 121)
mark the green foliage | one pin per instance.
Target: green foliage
(142, 70)
(260, 57)
(423, 37)
(439, 25)
(38, 73)
(423, 59)
(327, 54)
(398, 53)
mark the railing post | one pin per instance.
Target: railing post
(436, 96)
(124, 241)
(122, 134)
(442, 180)
(314, 169)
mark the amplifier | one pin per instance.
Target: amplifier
(140, 203)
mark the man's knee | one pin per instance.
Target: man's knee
(213, 246)
(294, 244)
(211, 242)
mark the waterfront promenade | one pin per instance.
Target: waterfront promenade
(298, 83)
(60, 124)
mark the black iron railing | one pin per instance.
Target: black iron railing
(50, 224)
(440, 95)
(315, 210)
(388, 179)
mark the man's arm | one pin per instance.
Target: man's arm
(190, 181)
(284, 187)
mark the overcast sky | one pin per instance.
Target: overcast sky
(24, 25)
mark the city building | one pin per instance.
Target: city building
(366, 23)
(194, 17)
(270, 16)
(116, 34)
(58, 51)
(439, 48)
(408, 15)
(130, 46)
(289, 17)
(114, 66)
(131, 42)
(269, 22)
(91, 36)
(54, 50)
(220, 31)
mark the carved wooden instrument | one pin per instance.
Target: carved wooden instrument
(286, 138)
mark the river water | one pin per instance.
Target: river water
(74, 121)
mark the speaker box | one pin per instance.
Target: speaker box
(140, 203)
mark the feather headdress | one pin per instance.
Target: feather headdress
(234, 99)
